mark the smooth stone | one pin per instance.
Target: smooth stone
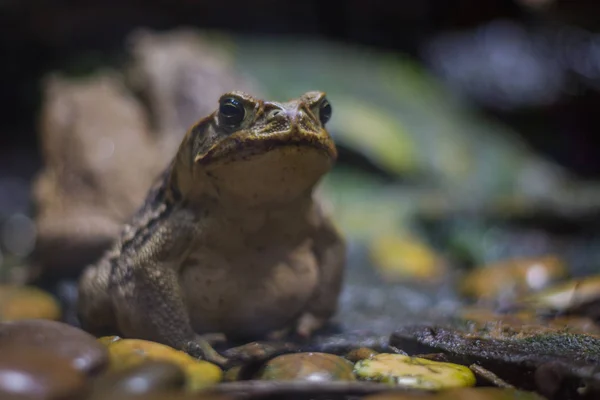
(480, 393)
(126, 353)
(149, 377)
(35, 373)
(175, 395)
(106, 340)
(508, 279)
(360, 354)
(414, 372)
(79, 347)
(27, 302)
(308, 367)
(403, 258)
(564, 297)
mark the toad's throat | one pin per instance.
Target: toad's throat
(235, 148)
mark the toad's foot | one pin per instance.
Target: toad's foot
(307, 324)
(214, 338)
(201, 348)
(279, 334)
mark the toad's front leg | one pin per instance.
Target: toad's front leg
(151, 308)
(145, 290)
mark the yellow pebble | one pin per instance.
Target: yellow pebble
(399, 258)
(27, 302)
(128, 352)
(413, 372)
(480, 393)
(106, 340)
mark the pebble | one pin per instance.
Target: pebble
(506, 280)
(566, 296)
(149, 377)
(480, 393)
(106, 340)
(413, 372)
(27, 302)
(360, 354)
(34, 373)
(126, 353)
(80, 348)
(401, 258)
(175, 395)
(308, 367)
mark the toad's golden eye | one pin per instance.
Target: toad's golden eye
(324, 111)
(231, 111)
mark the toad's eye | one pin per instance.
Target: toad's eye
(324, 111)
(231, 111)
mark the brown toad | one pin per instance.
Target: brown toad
(231, 239)
(83, 195)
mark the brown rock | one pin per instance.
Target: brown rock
(308, 367)
(34, 373)
(150, 377)
(169, 396)
(360, 354)
(77, 347)
(506, 280)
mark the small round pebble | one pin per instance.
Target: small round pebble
(564, 296)
(308, 367)
(174, 395)
(79, 347)
(149, 377)
(401, 258)
(126, 353)
(508, 279)
(361, 353)
(26, 302)
(413, 372)
(34, 373)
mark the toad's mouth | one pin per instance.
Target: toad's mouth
(235, 149)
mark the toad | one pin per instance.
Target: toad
(231, 239)
(88, 187)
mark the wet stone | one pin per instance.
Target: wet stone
(523, 323)
(578, 297)
(126, 353)
(400, 258)
(79, 348)
(506, 280)
(308, 367)
(106, 340)
(174, 395)
(27, 302)
(149, 377)
(34, 373)
(572, 359)
(482, 393)
(360, 354)
(414, 372)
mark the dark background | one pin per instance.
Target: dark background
(38, 36)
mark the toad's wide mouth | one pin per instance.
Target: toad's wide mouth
(234, 148)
